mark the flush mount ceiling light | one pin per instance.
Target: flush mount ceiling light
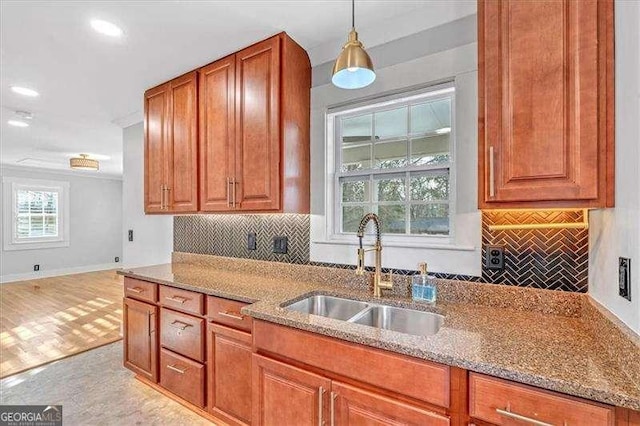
(353, 68)
(83, 162)
(25, 91)
(18, 123)
(106, 28)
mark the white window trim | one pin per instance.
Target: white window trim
(10, 185)
(332, 203)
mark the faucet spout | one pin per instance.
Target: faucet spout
(378, 283)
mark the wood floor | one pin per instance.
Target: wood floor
(51, 318)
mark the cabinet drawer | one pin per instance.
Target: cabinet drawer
(182, 377)
(227, 312)
(141, 290)
(182, 300)
(505, 403)
(182, 333)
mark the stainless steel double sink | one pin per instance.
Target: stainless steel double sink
(402, 320)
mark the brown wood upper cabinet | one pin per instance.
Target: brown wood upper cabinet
(545, 103)
(254, 129)
(171, 146)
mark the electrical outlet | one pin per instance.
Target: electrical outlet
(36, 268)
(252, 241)
(624, 277)
(117, 259)
(494, 258)
(280, 245)
(130, 234)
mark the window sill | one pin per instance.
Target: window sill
(402, 244)
(39, 245)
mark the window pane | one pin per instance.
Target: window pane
(50, 202)
(22, 201)
(430, 187)
(430, 219)
(355, 191)
(391, 155)
(391, 124)
(392, 218)
(36, 198)
(22, 226)
(37, 226)
(50, 226)
(356, 157)
(356, 130)
(390, 189)
(351, 216)
(434, 116)
(430, 150)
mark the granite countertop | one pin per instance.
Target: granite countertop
(551, 351)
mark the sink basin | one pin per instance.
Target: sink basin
(329, 306)
(409, 321)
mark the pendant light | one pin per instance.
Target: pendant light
(353, 68)
(84, 163)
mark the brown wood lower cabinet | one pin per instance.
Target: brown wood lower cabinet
(229, 374)
(141, 338)
(183, 377)
(287, 395)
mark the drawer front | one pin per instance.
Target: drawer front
(506, 403)
(141, 290)
(227, 312)
(182, 333)
(182, 300)
(182, 377)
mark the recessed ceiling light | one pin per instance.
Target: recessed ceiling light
(443, 130)
(17, 123)
(25, 91)
(106, 28)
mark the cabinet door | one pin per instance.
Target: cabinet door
(156, 105)
(539, 85)
(229, 380)
(353, 406)
(286, 395)
(258, 126)
(182, 150)
(140, 338)
(217, 134)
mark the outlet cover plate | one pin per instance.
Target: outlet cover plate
(624, 277)
(280, 245)
(494, 258)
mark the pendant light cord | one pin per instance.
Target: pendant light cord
(353, 14)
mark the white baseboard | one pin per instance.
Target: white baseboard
(57, 272)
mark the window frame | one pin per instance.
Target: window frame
(333, 118)
(10, 187)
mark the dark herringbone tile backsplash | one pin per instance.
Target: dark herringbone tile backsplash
(554, 259)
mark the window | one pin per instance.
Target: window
(37, 215)
(394, 158)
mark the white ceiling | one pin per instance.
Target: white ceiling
(91, 85)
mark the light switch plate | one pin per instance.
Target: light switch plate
(624, 277)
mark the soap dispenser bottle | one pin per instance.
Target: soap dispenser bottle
(423, 286)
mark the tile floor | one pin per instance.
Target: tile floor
(95, 389)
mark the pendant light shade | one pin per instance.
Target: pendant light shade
(84, 163)
(353, 68)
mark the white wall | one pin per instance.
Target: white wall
(95, 221)
(152, 234)
(462, 256)
(615, 232)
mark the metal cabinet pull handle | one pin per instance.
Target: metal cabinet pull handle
(166, 204)
(176, 369)
(228, 191)
(178, 299)
(151, 323)
(333, 408)
(231, 315)
(161, 197)
(492, 183)
(520, 417)
(320, 398)
(136, 290)
(234, 193)
(179, 324)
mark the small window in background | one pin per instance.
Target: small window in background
(36, 215)
(394, 159)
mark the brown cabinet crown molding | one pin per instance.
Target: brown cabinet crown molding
(546, 104)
